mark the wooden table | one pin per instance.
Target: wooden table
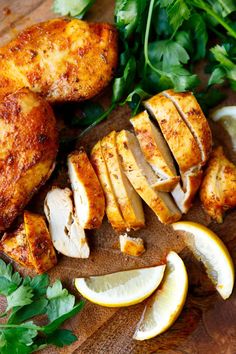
(207, 324)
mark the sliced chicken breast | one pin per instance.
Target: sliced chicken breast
(128, 199)
(183, 196)
(156, 151)
(68, 236)
(14, 245)
(194, 118)
(138, 172)
(176, 132)
(218, 189)
(131, 245)
(87, 191)
(39, 242)
(113, 212)
(30, 245)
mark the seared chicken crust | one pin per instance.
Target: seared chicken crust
(113, 211)
(195, 119)
(128, 199)
(218, 189)
(155, 151)
(89, 199)
(28, 148)
(30, 245)
(177, 134)
(62, 59)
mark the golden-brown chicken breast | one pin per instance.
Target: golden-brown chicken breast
(156, 151)
(128, 199)
(88, 194)
(177, 134)
(62, 59)
(14, 245)
(137, 170)
(113, 211)
(30, 245)
(40, 244)
(28, 148)
(218, 189)
(193, 116)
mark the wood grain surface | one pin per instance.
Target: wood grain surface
(207, 323)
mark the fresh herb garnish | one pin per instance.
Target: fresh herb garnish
(26, 299)
(160, 43)
(74, 8)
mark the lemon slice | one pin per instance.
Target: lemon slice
(122, 288)
(166, 304)
(211, 251)
(227, 117)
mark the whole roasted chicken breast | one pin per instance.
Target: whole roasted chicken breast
(28, 148)
(62, 59)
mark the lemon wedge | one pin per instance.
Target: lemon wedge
(122, 288)
(227, 117)
(211, 251)
(166, 304)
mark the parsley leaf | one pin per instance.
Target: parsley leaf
(20, 297)
(76, 8)
(60, 301)
(29, 298)
(177, 11)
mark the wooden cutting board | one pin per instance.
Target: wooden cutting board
(207, 323)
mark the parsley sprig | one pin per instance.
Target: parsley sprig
(161, 41)
(30, 297)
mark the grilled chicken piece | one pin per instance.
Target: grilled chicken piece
(43, 255)
(131, 246)
(62, 59)
(194, 118)
(139, 173)
(28, 148)
(176, 132)
(15, 245)
(88, 194)
(156, 151)
(113, 212)
(30, 245)
(184, 195)
(68, 236)
(129, 201)
(218, 189)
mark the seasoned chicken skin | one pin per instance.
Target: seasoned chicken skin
(218, 190)
(62, 59)
(28, 148)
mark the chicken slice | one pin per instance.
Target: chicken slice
(62, 59)
(113, 212)
(176, 132)
(131, 246)
(194, 118)
(88, 194)
(40, 245)
(14, 245)
(184, 195)
(30, 245)
(68, 236)
(218, 189)
(138, 173)
(28, 148)
(156, 151)
(128, 199)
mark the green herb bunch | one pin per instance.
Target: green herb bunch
(160, 43)
(30, 297)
